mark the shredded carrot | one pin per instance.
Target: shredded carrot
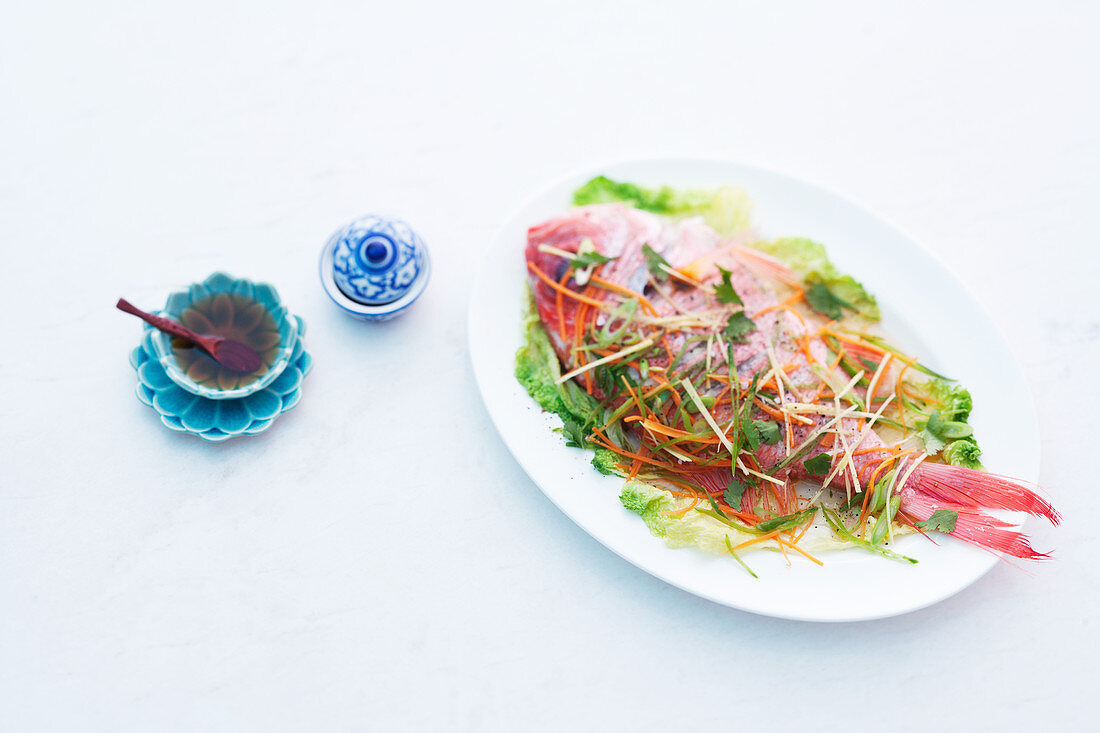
(641, 405)
(871, 486)
(768, 408)
(675, 393)
(804, 345)
(799, 550)
(579, 326)
(754, 540)
(836, 362)
(796, 315)
(604, 442)
(897, 388)
(656, 390)
(625, 291)
(559, 301)
(780, 500)
(682, 512)
(748, 517)
(782, 550)
(803, 531)
(686, 494)
(913, 393)
(693, 489)
(579, 319)
(673, 432)
(636, 465)
(600, 439)
(561, 288)
(797, 296)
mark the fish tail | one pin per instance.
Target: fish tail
(968, 487)
(969, 493)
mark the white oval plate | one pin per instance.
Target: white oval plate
(927, 310)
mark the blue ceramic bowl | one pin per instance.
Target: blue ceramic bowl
(218, 420)
(214, 285)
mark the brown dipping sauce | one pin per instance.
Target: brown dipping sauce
(236, 317)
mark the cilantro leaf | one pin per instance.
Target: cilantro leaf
(819, 465)
(724, 292)
(825, 302)
(756, 432)
(587, 259)
(734, 491)
(933, 444)
(738, 327)
(751, 434)
(942, 520)
(769, 431)
(654, 262)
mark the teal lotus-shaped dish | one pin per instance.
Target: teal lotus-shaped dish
(219, 419)
(246, 307)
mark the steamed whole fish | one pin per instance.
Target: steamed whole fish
(645, 315)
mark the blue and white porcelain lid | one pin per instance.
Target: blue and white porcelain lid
(376, 260)
(375, 265)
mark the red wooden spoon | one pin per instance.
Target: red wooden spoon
(233, 355)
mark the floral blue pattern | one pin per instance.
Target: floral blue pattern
(375, 260)
(375, 267)
(218, 420)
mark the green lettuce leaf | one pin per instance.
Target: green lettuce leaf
(955, 402)
(692, 529)
(537, 365)
(604, 461)
(808, 259)
(947, 431)
(537, 368)
(963, 453)
(648, 503)
(726, 209)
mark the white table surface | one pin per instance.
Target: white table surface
(377, 560)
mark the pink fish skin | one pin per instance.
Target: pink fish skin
(690, 246)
